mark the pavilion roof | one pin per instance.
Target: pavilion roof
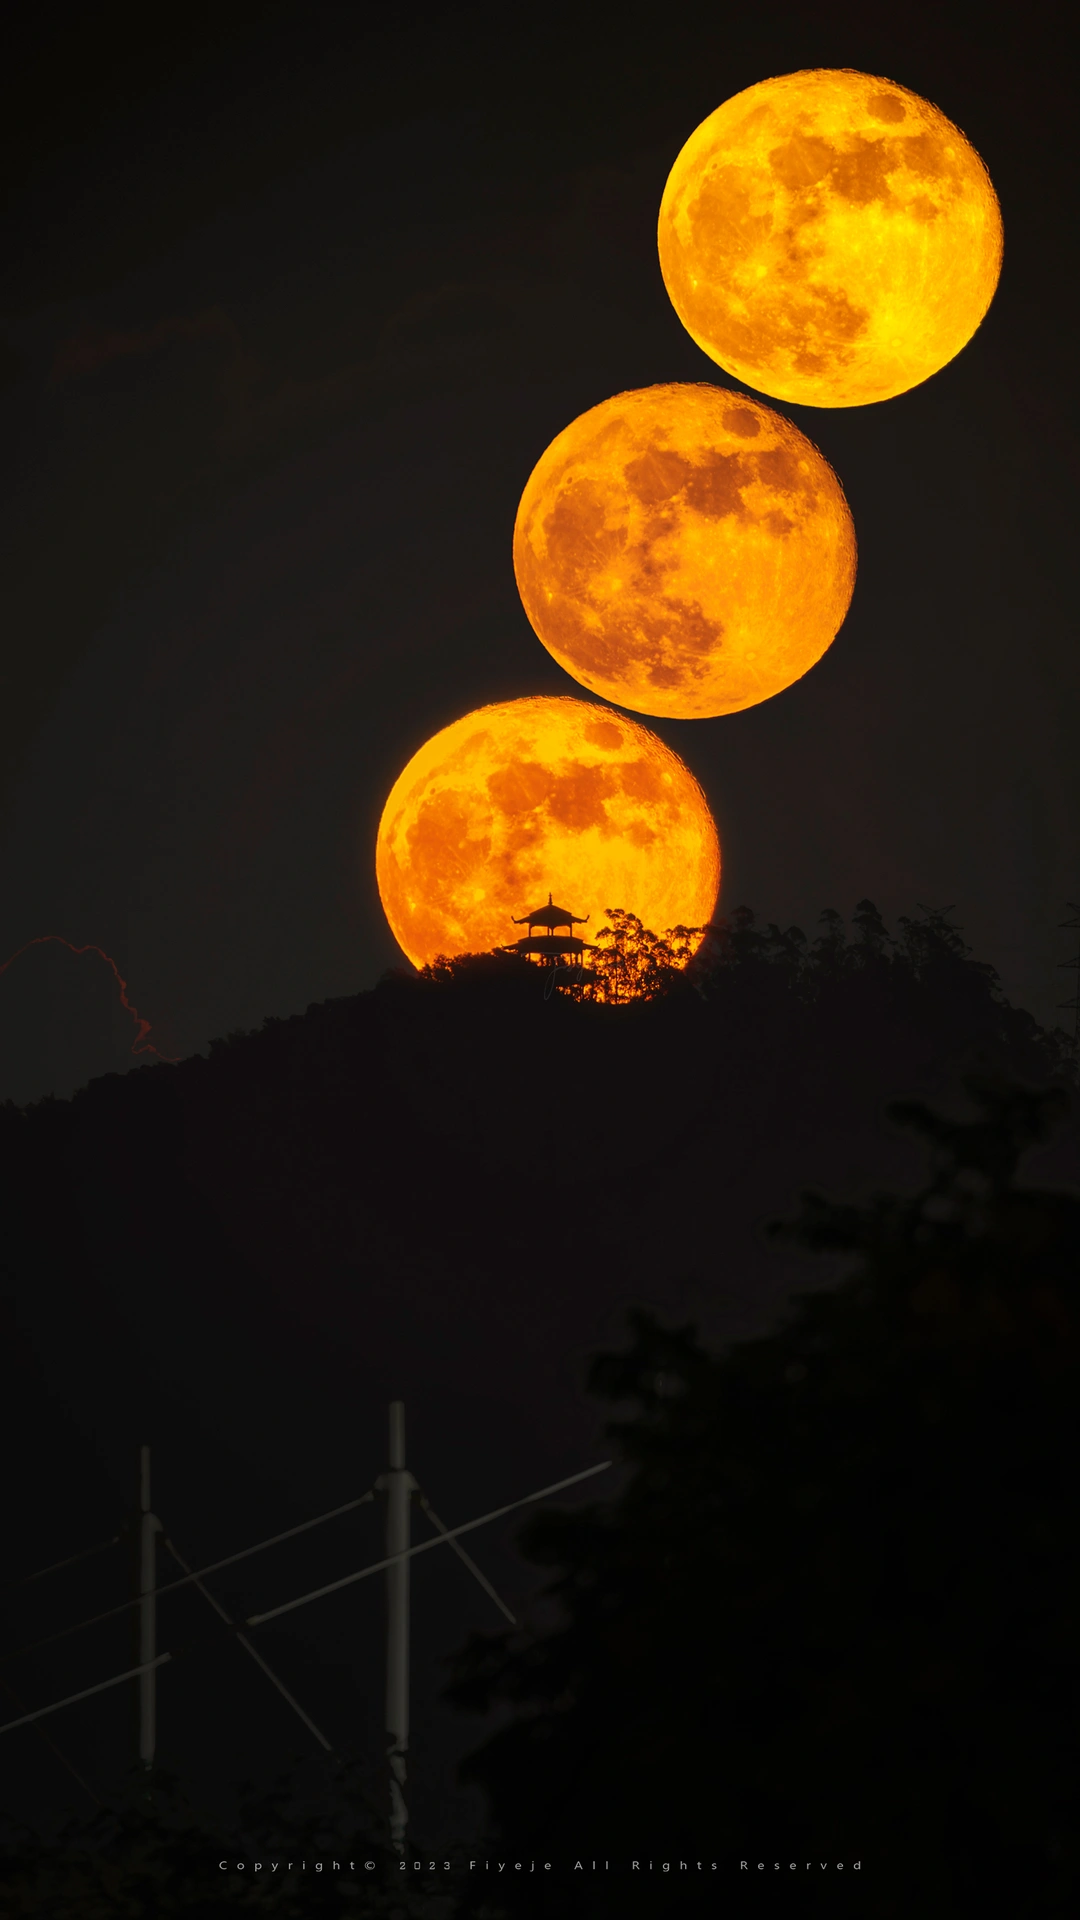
(551, 916)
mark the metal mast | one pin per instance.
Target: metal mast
(399, 1485)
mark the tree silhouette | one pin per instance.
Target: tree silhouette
(926, 969)
(154, 1855)
(631, 962)
(628, 962)
(832, 1611)
(496, 971)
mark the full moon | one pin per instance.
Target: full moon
(830, 238)
(538, 796)
(684, 551)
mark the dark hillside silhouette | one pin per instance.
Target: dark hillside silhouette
(447, 1190)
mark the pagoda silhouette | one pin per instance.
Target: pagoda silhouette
(551, 947)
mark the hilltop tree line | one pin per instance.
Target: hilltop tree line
(924, 972)
(627, 961)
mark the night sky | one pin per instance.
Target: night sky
(294, 299)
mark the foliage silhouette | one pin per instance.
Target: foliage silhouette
(924, 975)
(831, 1613)
(630, 962)
(153, 1855)
(627, 962)
(479, 971)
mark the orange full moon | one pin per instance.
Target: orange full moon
(538, 796)
(830, 238)
(684, 551)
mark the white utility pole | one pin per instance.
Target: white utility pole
(399, 1485)
(149, 1528)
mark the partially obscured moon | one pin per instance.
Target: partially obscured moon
(684, 551)
(538, 796)
(830, 238)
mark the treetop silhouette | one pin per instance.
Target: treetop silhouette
(832, 1607)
